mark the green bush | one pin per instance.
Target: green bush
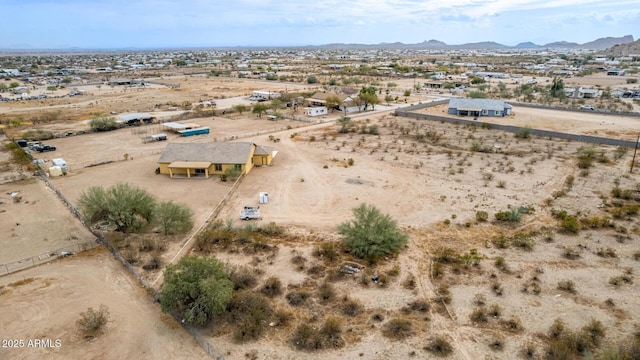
(371, 234)
(482, 216)
(570, 224)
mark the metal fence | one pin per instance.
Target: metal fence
(406, 112)
(113, 158)
(562, 108)
(12, 267)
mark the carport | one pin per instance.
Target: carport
(186, 167)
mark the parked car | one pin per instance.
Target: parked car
(587, 107)
(43, 148)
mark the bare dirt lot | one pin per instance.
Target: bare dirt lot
(36, 225)
(45, 302)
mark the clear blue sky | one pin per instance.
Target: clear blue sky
(202, 23)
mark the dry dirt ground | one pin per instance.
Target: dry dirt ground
(36, 225)
(45, 302)
(421, 173)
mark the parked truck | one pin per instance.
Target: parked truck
(250, 212)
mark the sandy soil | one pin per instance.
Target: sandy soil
(45, 302)
(36, 225)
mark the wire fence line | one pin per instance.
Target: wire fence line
(113, 158)
(26, 263)
(407, 112)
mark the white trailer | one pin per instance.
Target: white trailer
(250, 212)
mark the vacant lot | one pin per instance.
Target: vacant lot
(38, 224)
(45, 302)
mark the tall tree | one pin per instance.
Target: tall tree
(196, 289)
(173, 218)
(259, 109)
(368, 96)
(557, 88)
(124, 206)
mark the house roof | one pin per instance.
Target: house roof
(214, 152)
(322, 97)
(477, 104)
(263, 150)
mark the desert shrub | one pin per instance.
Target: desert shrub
(594, 331)
(351, 307)
(523, 133)
(155, 262)
(282, 317)
(556, 329)
(299, 262)
(501, 264)
(500, 242)
(619, 280)
(497, 289)
(326, 292)
(329, 336)
(397, 329)
(420, 305)
(272, 287)
(522, 241)
(606, 252)
(92, 321)
(250, 313)
(306, 337)
(495, 310)
(529, 350)
(479, 315)
(446, 255)
(297, 298)
(636, 256)
(371, 234)
(513, 324)
(326, 250)
(409, 282)
(570, 224)
(497, 342)
(511, 215)
(482, 216)
(570, 253)
(439, 346)
(567, 285)
(316, 270)
(479, 300)
(103, 124)
(242, 277)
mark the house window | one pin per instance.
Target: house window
(218, 167)
(238, 167)
(485, 112)
(497, 112)
(200, 171)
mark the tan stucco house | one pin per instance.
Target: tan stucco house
(204, 159)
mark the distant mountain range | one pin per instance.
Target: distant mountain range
(598, 44)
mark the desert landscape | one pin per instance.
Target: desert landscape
(519, 246)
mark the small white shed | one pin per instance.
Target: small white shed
(264, 198)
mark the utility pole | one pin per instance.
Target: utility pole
(634, 154)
